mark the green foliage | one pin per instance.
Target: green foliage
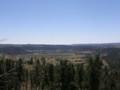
(95, 67)
(80, 76)
(16, 75)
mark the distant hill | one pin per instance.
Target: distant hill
(11, 50)
(48, 47)
(99, 44)
(24, 48)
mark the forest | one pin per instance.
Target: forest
(38, 75)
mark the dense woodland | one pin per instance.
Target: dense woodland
(112, 57)
(38, 75)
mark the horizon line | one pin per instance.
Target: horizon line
(59, 44)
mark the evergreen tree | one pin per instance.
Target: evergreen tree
(66, 76)
(20, 72)
(50, 76)
(80, 76)
(95, 67)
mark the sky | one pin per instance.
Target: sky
(59, 21)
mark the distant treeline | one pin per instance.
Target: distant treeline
(12, 50)
(23, 49)
(52, 47)
(39, 75)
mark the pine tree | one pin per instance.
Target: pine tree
(20, 72)
(66, 76)
(50, 76)
(80, 76)
(95, 73)
(36, 75)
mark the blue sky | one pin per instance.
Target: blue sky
(59, 21)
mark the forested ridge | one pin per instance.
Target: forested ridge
(39, 75)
